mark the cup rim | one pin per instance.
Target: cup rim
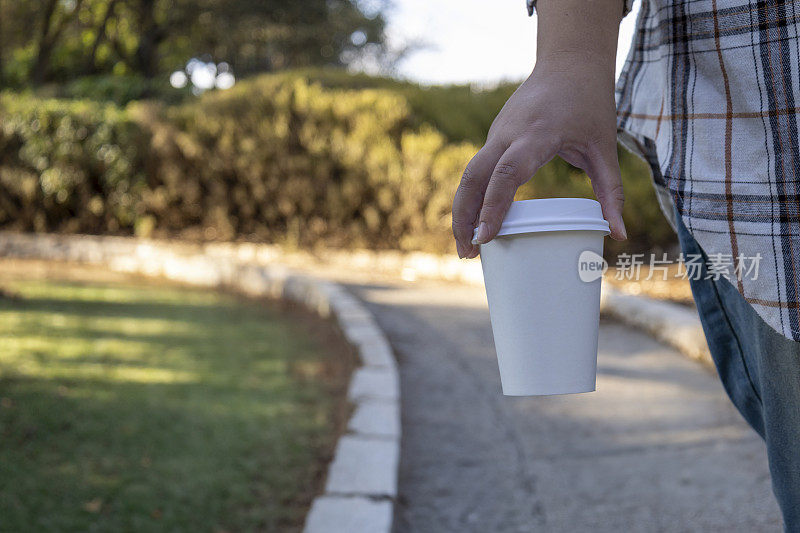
(574, 214)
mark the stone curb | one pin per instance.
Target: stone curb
(670, 323)
(361, 485)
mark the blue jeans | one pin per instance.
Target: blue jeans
(760, 370)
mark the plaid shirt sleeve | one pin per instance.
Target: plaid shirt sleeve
(626, 9)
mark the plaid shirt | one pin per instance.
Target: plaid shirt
(707, 98)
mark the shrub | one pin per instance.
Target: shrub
(460, 112)
(316, 158)
(121, 89)
(68, 166)
(281, 159)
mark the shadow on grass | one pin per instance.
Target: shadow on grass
(158, 415)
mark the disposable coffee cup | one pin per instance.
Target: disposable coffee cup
(542, 274)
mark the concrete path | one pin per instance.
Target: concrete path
(658, 447)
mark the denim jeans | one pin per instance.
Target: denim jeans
(760, 371)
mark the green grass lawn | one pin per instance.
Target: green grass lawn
(141, 407)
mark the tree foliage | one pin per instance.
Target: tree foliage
(57, 40)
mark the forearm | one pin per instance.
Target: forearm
(574, 32)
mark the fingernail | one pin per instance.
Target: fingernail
(483, 233)
(622, 227)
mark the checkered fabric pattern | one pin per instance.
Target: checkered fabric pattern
(707, 98)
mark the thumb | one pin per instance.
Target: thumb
(607, 185)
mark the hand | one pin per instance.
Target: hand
(566, 107)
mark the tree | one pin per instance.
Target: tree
(70, 38)
(56, 16)
(99, 37)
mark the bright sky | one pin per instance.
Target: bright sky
(474, 40)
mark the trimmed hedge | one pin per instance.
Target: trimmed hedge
(69, 166)
(275, 158)
(302, 159)
(280, 159)
(460, 112)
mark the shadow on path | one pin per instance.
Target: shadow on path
(658, 447)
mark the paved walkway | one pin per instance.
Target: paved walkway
(658, 447)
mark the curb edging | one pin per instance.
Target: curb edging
(668, 322)
(361, 485)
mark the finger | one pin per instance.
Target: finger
(607, 184)
(517, 165)
(469, 197)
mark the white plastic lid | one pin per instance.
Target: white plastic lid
(553, 214)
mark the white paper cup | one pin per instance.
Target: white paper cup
(545, 317)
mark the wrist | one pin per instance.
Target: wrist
(590, 66)
(578, 34)
(567, 59)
